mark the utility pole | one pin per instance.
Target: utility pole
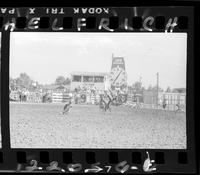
(140, 80)
(157, 76)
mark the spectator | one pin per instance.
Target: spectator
(164, 104)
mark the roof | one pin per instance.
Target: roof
(180, 90)
(49, 86)
(89, 73)
(62, 86)
(52, 87)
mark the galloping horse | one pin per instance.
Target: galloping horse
(104, 104)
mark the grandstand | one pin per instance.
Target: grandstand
(90, 80)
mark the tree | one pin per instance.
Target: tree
(154, 88)
(24, 81)
(60, 80)
(168, 89)
(137, 87)
(143, 89)
(67, 81)
(150, 88)
(11, 83)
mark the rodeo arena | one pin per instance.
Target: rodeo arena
(97, 110)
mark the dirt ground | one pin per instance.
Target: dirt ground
(43, 126)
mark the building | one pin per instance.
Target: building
(34, 97)
(150, 97)
(60, 97)
(179, 90)
(172, 99)
(58, 93)
(14, 96)
(89, 80)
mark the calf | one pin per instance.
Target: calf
(66, 108)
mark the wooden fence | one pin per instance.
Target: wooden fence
(60, 97)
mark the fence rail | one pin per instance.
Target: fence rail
(170, 107)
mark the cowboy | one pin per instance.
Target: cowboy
(164, 104)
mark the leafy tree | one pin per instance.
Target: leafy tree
(154, 88)
(150, 88)
(168, 89)
(67, 81)
(24, 81)
(60, 80)
(137, 87)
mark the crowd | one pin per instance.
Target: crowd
(86, 95)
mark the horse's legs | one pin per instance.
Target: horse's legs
(108, 107)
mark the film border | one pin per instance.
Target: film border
(45, 156)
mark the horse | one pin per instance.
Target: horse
(110, 100)
(102, 104)
(105, 105)
(66, 108)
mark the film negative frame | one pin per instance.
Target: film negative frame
(97, 160)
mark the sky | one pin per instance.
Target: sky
(46, 55)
